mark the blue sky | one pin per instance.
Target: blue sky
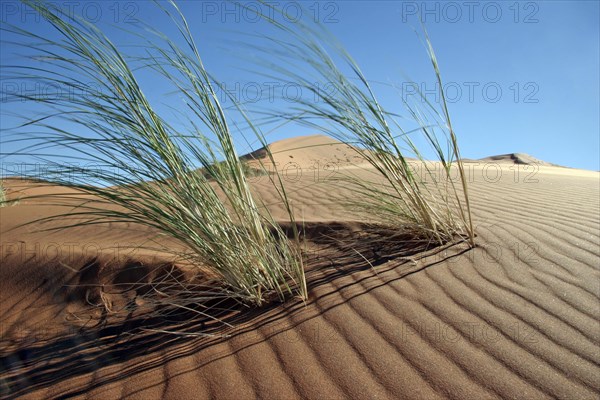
(520, 76)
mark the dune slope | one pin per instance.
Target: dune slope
(516, 317)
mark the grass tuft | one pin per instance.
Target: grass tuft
(416, 195)
(144, 169)
(3, 201)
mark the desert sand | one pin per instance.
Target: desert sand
(516, 317)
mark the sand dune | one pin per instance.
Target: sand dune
(307, 155)
(518, 158)
(517, 317)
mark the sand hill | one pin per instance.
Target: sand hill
(309, 151)
(518, 158)
(516, 317)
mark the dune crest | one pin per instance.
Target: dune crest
(519, 158)
(308, 151)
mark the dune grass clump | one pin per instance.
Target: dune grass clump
(142, 169)
(414, 196)
(3, 201)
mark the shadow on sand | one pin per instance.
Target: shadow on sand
(334, 251)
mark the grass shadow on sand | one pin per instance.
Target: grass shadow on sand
(334, 253)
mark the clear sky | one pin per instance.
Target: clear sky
(520, 76)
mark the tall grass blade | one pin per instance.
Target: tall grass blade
(144, 168)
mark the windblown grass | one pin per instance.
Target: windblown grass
(2, 195)
(225, 231)
(249, 171)
(435, 207)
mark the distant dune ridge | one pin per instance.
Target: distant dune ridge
(517, 317)
(518, 158)
(308, 149)
(513, 158)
